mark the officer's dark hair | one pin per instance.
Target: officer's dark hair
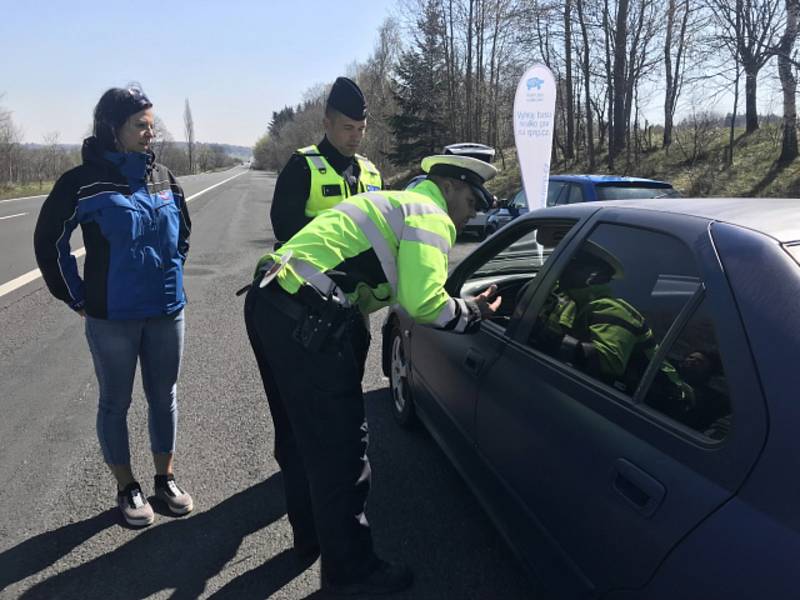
(113, 109)
(333, 114)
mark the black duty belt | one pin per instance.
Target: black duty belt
(285, 302)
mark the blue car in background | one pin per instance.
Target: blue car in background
(674, 477)
(572, 189)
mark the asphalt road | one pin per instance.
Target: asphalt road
(60, 535)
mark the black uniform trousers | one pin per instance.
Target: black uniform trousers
(321, 434)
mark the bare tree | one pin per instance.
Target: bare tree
(788, 83)
(749, 28)
(374, 79)
(678, 13)
(618, 133)
(51, 155)
(587, 83)
(10, 137)
(188, 127)
(569, 141)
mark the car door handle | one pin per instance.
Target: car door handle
(642, 491)
(474, 361)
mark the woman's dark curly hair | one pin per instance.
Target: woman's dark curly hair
(113, 109)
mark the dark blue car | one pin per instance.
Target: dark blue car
(669, 469)
(572, 189)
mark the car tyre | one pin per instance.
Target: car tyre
(399, 384)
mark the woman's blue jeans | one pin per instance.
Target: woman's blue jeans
(116, 346)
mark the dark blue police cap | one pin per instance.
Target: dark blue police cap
(347, 98)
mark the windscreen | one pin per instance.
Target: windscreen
(638, 191)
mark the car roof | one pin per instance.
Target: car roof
(605, 179)
(776, 217)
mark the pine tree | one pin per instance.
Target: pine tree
(420, 90)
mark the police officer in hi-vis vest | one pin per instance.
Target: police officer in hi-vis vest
(321, 176)
(371, 250)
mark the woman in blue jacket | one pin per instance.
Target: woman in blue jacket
(135, 226)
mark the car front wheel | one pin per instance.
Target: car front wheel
(402, 405)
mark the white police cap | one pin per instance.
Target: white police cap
(472, 171)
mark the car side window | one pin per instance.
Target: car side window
(575, 194)
(613, 303)
(515, 264)
(520, 200)
(690, 385)
(554, 189)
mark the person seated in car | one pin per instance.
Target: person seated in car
(701, 369)
(586, 326)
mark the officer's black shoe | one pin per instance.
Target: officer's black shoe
(387, 578)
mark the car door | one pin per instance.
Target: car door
(611, 468)
(447, 367)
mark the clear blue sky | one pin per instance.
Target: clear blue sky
(236, 61)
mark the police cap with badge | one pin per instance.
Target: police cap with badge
(347, 98)
(473, 171)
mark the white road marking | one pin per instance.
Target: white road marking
(25, 198)
(193, 196)
(30, 276)
(12, 216)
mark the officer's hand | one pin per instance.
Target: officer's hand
(488, 301)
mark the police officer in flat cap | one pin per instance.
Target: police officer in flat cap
(319, 177)
(372, 250)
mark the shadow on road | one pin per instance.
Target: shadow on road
(41, 551)
(420, 510)
(264, 581)
(181, 555)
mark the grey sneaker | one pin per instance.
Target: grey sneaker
(178, 501)
(134, 506)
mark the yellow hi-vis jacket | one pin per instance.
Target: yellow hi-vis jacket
(328, 188)
(410, 233)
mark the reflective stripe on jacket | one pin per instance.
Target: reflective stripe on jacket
(328, 188)
(410, 233)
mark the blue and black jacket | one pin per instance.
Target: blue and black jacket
(135, 225)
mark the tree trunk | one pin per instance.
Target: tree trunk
(569, 142)
(620, 71)
(669, 109)
(733, 116)
(586, 68)
(609, 85)
(468, 79)
(750, 104)
(788, 84)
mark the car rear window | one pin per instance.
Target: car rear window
(624, 191)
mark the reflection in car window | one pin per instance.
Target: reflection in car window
(613, 303)
(634, 192)
(703, 403)
(513, 266)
